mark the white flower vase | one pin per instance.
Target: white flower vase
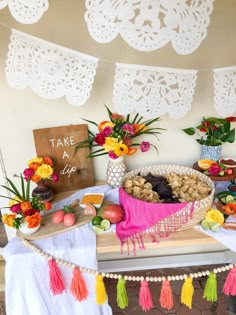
(26, 230)
(210, 152)
(116, 169)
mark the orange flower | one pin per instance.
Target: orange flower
(48, 160)
(35, 178)
(25, 205)
(34, 166)
(132, 151)
(8, 219)
(138, 127)
(33, 220)
(102, 123)
(4, 218)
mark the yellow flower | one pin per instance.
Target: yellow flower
(110, 144)
(14, 201)
(121, 149)
(109, 123)
(215, 216)
(44, 171)
(35, 160)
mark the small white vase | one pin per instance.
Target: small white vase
(116, 169)
(26, 230)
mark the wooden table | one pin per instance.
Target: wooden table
(185, 248)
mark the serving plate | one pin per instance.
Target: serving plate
(48, 228)
(227, 165)
(227, 177)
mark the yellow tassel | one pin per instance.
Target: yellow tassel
(101, 295)
(187, 292)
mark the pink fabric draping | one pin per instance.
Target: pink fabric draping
(155, 219)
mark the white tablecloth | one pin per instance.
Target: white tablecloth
(27, 274)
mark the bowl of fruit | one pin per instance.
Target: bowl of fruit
(228, 162)
(226, 203)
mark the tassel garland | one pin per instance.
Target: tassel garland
(78, 287)
(101, 295)
(210, 290)
(55, 279)
(229, 287)
(166, 296)
(79, 290)
(187, 292)
(122, 298)
(145, 297)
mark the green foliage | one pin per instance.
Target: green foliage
(213, 131)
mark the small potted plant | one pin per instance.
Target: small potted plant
(212, 132)
(24, 210)
(38, 171)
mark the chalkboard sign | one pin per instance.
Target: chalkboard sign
(75, 170)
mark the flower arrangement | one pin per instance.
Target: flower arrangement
(40, 169)
(116, 136)
(213, 131)
(23, 207)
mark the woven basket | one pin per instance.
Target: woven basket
(200, 207)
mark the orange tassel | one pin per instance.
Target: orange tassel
(56, 282)
(78, 287)
(166, 296)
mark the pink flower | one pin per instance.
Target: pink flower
(107, 131)
(145, 146)
(16, 208)
(214, 169)
(99, 139)
(112, 155)
(128, 128)
(55, 177)
(28, 173)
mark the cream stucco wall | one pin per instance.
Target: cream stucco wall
(63, 24)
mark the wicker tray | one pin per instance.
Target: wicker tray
(200, 207)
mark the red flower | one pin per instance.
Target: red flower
(206, 123)
(231, 118)
(203, 129)
(99, 139)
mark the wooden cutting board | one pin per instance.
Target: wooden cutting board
(48, 228)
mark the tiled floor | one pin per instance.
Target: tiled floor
(200, 305)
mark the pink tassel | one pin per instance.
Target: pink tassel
(145, 297)
(166, 296)
(78, 286)
(230, 283)
(56, 283)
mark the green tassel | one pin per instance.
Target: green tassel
(210, 290)
(122, 298)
